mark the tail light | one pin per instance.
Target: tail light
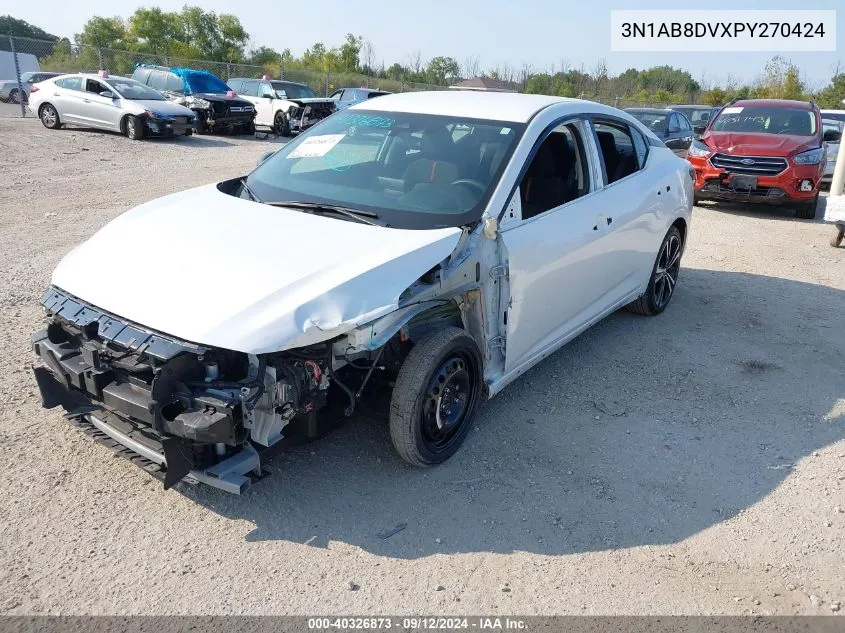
(33, 89)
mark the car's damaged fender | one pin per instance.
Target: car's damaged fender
(218, 270)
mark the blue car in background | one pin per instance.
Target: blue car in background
(346, 97)
(216, 106)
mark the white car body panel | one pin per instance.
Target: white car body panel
(239, 275)
(251, 278)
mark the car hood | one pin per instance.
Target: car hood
(217, 270)
(162, 107)
(306, 100)
(743, 144)
(221, 97)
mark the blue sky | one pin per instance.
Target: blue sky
(539, 32)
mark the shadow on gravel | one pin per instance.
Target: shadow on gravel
(711, 405)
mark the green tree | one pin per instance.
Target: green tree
(263, 55)
(349, 54)
(22, 28)
(105, 32)
(715, 96)
(833, 95)
(439, 69)
(155, 31)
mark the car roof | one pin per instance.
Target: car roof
(649, 110)
(784, 103)
(830, 111)
(274, 81)
(696, 106)
(493, 106)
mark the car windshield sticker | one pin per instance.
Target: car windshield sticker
(732, 110)
(315, 146)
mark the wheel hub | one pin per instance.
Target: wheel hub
(447, 400)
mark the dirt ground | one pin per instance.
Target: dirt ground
(692, 463)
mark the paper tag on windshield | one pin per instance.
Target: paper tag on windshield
(732, 110)
(316, 146)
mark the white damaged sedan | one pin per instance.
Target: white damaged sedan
(437, 243)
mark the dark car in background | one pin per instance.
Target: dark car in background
(699, 115)
(673, 128)
(215, 105)
(346, 97)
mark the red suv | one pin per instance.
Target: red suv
(762, 150)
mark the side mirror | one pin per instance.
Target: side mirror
(832, 136)
(267, 96)
(108, 94)
(265, 156)
(699, 129)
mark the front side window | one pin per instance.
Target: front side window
(557, 174)
(617, 150)
(765, 119)
(264, 90)
(405, 167)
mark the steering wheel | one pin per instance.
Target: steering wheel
(472, 184)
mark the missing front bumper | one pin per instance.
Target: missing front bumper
(166, 458)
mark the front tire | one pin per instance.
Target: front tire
(436, 395)
(281, 125)
(664, 277)
(49, 117)
(134, 128)
(807, 210)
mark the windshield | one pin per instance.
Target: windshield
(766, 120)
(134, 90)
(294, 91)
(652, 120)
(415, 171)
(201, 82)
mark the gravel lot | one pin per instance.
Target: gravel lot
(691, 463)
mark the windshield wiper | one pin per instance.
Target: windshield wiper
(365, 217)
(248, 190)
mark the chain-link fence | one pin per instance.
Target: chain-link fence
(22, 59)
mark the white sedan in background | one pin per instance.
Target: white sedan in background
(438, 243)
(109, 103)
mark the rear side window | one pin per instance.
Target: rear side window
(640, 147)
(617, 150)
(158, 80)
(70, 83)
(141, 74)
(173, 83)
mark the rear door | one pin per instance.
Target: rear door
(66, 97)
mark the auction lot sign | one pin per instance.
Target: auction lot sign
(723, 30)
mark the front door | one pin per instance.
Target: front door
(556, 252)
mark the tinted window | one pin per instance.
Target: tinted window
(134, 90)
(655, 121)
(265, 89)
(294, 91)
(92, 85)
(675, 123)
(685, 124)
(236, 85)
(765, 119)
(640, 147)
(71, 83)
(557, 174)
(617, 150)
(401, 165)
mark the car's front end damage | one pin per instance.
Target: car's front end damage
(303, 113)
(203, 406)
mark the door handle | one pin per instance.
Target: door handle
(86, 101)
(609, 221)
(56, 94)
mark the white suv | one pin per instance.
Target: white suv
(283, 106)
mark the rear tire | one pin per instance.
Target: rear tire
(14, 96)
(664, 277)
(807, 210)
(436, 395)
(134, 128)
(49, 116)
(838, 235)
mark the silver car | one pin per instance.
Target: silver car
(830, 129)
(11, 93)
(109, 103)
